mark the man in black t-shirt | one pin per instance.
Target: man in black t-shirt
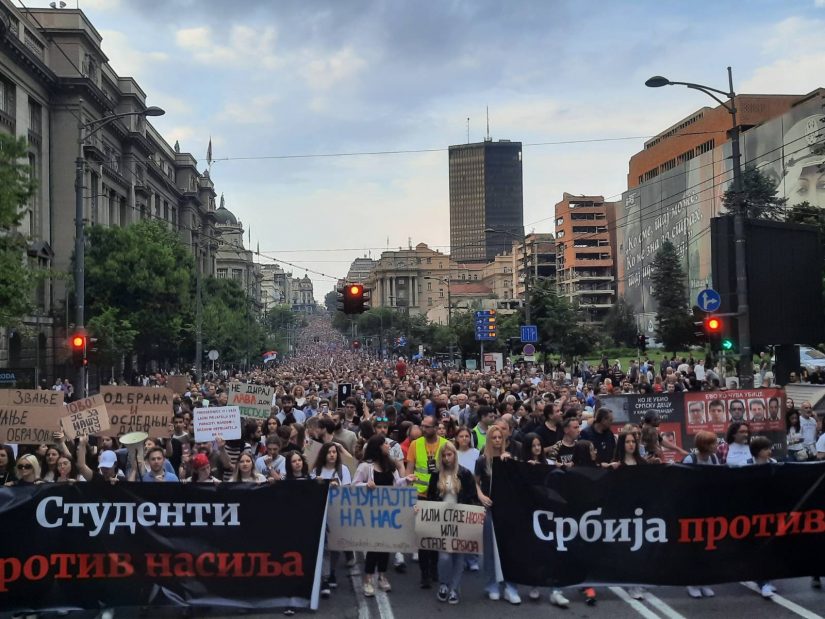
(600, 434)
(570, 451)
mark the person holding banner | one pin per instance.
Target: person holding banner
(628, 452)
(296, 466)
(377, 469)
(246, 472)
(451, 483)
(6, 464)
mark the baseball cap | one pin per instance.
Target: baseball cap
(107, 459)
(200, 461)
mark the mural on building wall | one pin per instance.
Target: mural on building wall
(679, 204)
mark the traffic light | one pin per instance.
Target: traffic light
(78, 343)
(353, 299)
(713, 331)
(642, 342)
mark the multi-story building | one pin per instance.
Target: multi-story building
(585, 269)
(360, 270)
(535, 258)
(787, 147)
(54, 81)
(701, 132)
(233, 260)
(303, 299)
(275, 285)
(486, 199)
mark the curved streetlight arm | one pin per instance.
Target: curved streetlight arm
(709, 92)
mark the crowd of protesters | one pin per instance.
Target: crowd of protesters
(411, 424)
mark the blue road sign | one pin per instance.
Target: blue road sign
(709, 300)
(485, 325)
(529, 333)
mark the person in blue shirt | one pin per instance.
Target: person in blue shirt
(156, 459)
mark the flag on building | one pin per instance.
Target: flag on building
(209, 152)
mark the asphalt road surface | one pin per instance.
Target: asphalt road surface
(795, 598)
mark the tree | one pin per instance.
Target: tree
(760, 196)
(620, 324)
(674, 321)
(230, 324)
(560, 329)
(331, 300)
(145, 273)
(115, 338)
(17, 186)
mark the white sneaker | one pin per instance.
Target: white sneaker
(534, 594)
(707, 592)
(557, 599)
(494, 596)
(511, 595)
(398, 559)
(694, 592)
(637, 593)
(415, 557)
(767, 591)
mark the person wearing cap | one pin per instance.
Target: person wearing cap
(107, 468)
(201, 470)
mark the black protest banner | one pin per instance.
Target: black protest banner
(658, 524)
(139, 544)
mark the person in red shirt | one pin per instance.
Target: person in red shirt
(401, 368)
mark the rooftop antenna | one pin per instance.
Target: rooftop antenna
(488, 123)
(468, 130)
(409, 242)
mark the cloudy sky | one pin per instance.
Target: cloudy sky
(275, 80)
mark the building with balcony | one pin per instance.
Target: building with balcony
(360, 270)
(585, 269)
(485, 193)
(55, 77)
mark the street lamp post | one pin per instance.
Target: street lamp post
(742, 310)
(90, 129)
(523, 240)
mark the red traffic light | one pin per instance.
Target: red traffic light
(713, 325)
(78, 342)
(355, 290)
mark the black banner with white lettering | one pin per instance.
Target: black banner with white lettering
(658, 524)
(90, 545)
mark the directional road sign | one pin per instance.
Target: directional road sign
(529, 333)
(709, 300)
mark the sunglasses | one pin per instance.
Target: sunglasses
(382, 420)
(21, 467)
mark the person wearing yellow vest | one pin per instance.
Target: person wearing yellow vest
(486, 418)
(421, 463)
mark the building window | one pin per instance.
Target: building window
(7, 101)
(429, 286)
(441, 293)
(237, 274)
(429, 300)
(35, 117)
(222, 273)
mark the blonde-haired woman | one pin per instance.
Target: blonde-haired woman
(28, 471)
(451, 483)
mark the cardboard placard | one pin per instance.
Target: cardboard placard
(253, 400)
(450, 527)
(87, 416)
(218, 420)
(31, 397)
(29, 425)
(138, 409)
(377, 520)
(178, 383)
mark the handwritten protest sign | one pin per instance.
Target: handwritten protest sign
(450, 527)
(178, 383)
(253, 400)
(86, 416)
(28, 416)
(138, 409)
(218, 420)
(377, 520)
(311, 451)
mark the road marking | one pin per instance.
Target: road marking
(384, 606)
(636, 605)
(784, 602)
(358, 590)
(663, 607)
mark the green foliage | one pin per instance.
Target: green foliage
(620, 324)
(674, 321)
(17, 280)
(331, 300)
(115, 336)
(760, 196)
(146, 274)
(230, 324)
(560, 330)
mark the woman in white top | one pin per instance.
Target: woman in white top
(245, 470)
(328, 465)
(796, 442)
(467, 454)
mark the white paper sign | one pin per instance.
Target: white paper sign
(219, 420)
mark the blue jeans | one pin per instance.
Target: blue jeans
(450, 569)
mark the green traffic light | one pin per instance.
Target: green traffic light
(727, 344)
